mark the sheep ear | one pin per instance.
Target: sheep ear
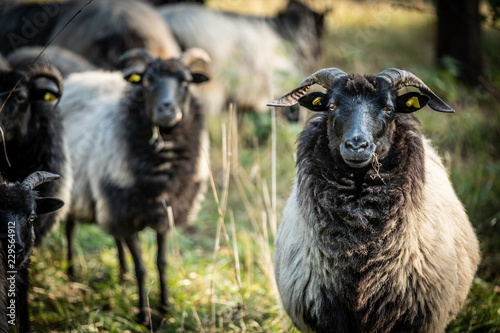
(48, 205)
(46, 89)
(315, 101)
(411, 102)
(199, 78)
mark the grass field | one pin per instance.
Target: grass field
(220, 271)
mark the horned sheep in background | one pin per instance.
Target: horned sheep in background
(32, 137)
(373, 237)
(20, 209)
(251, 55)
(138, 147)
(101, 32)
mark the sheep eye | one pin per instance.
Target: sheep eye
(32, 218)
(332, 107)
(388, 110)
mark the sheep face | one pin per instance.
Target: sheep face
(360, 109)
(360, 117)
(19, 210)
(38, 85)
(165, 86)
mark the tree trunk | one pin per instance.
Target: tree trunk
(459, 36)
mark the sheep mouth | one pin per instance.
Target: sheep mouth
(357, 158)
(167, 119)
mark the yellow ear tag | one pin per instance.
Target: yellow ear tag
(316, 101)
(413, 102)
(49, 97)
(134, 78)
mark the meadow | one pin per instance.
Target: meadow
(220, 266)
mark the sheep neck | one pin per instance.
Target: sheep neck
(353, 211)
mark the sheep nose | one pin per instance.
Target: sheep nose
(356, 143)
(166, 108)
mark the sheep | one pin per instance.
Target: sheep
(251, 55)
(373, 237)
(20, 210)
(101, 32)
(64, 60)
(32, 137)
(152, 153)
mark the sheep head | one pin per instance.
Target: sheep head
(20, 91)
(19, 210)
(361, 109)
(164, 82)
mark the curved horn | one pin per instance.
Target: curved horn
(325, 77)
(192, 54)
(142, 55)
(37, 178)
(398, 78)
(45, 70)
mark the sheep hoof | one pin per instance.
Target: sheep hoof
(71, 273)
(166, 308)
(144, 316)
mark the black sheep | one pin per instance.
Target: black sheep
(20, 210)
(33, 135)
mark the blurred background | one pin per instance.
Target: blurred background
(220, 267)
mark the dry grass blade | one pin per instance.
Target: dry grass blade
(376, 166)
(4, 146)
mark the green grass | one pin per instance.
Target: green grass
(220, 268)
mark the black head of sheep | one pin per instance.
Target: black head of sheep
(360, 109)
(20, 90)
(164, 81)
(19, 210)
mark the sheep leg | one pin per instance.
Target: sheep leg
(121, 258)
(133, 245)
(161, 263)
(70, 237)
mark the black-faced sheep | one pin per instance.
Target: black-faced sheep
(64, 60)
(20, 207)
(251, 56)
(101, 32)
(137, 147)
(373, 237)
(33, 135)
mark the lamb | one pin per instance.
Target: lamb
(33, 136)
(101, 32)
(373, 237)
(251, 55)
(20, 209)
(152, 153)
